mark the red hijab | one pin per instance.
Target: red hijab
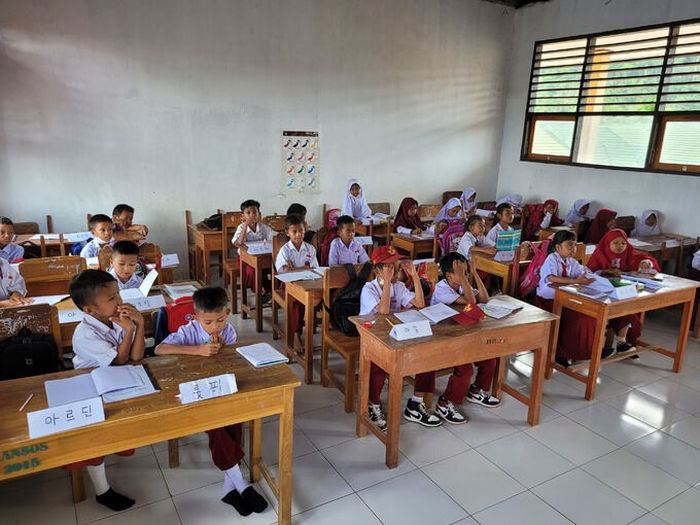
(404, 219)
(537, 215)
(628, 261)
(599, 225)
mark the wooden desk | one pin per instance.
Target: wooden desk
(413, 245)
(53, 246)
(372, 229)
(259, 263)
(675, 291)
(206, 241)
(659, 247)
(503, 269)
(310, 294)
(451, 344)
(158, 417)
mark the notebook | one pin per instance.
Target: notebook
(261, 354)
(499, 308)
(434, 314)
(506, 243)
(175, 291)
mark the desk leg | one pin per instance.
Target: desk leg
(362, 392)
(77, 484)
(255, 444)
(393, 423)
(284, 477)
(696, 328)
(197, 262)
(682, 336)
(308, 341)
(501, 366)
(553, 340)
(507, 284)
(258, 300)
(288, 335)
(538, 367)
(597, 350)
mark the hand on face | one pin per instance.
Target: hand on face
(409, 269)
(386, 273)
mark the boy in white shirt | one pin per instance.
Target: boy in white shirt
(12, 286)
(101, 228)
(123, 263)
(123, 224)
(252, 229)
(345, 249)
(9, 250)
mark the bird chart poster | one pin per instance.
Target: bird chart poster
(300, 161)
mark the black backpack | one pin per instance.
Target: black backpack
(213, 221)
(347, 302)
(28, 354)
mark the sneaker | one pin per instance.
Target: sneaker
(563, 361)
(417, 413)
(608, 352)
(483, 398)
(624, 346)
(376, 416)
(447, 411)
(265, 298)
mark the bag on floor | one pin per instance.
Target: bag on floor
(347, 302)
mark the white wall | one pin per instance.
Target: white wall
(174, 104)
(625, 191)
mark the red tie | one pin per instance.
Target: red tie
(563, 270)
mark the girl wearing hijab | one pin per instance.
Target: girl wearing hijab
(468, 199)
(407, 220)
(647, 224)
(542, 216)
(578, 211)
(449, 214)
(603, 221)
(514, 199)
(354, 203)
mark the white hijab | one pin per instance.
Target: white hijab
(356, 207)
(574, 216)
(452, 203)
(466, 195)
(514, 199)
(642, 230)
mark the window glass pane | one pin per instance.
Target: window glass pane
(553, 137)
(680, 146)
(614, 141)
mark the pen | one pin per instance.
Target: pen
(392, 324)
(26, 402)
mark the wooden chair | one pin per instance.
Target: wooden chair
(275, 221)
(50, 275)
(381, 207)
(447, 195)
(191, 247)
(61, 246)
(625, 223)
(49, 224)
(38, 318)
(23, 228)
(230, 261)
(429, 210)
(278, 293)
(335, 278)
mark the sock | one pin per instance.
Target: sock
(98, 476)
(228, 485)
(236, 477)
(417, 399)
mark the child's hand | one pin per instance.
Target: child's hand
(208, 349)
(584, 280)
(130, 312)
(549, 208)
(409, 269)
(646, 267)
(386, 273)
(16, 299)
(460, 271)
(124, 321)
(216, 339)
(417, 231)
(612, 272)
(440, 227)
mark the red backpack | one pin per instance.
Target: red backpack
(179, 313)
(326, 247)
(448, 238)
(528, 281)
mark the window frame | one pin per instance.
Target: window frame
(660, 118)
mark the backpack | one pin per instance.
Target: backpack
(325, 250)
(529, 280)
(451, 236)
(78, 246)
(213, 221)
(347, 302)
(28, 354)
(172, 316)
(333, 215)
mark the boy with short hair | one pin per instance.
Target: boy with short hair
(123, 223)
(345, 249)
(12, 286)
(111, 333)
(101, 228)
(123, 263)
(204, 336)
(299, 209)
(252, 229)
(9, 250)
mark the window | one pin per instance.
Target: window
(627, 99)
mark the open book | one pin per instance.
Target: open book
(139, 296)
(261, 354)
(175, 291)
(499, 308)
(434, 314)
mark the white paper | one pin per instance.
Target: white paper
(261, 354)
(168, 260)
(143, 304)
(370, 220)
(92, 262)
(148, 281)
(590, 248)
(65, 417)
(175, 291)
(421, 261)
(258, 247)
(321, 270)
(625, 292)
(637, 243)
(410, 316)
(46, 236)
(601, 284)
(48, 299)
(70, 316)
(505, 256)
(380, 215)
(304, 275)
(111, 378)
(77, 237)
(402, 332)
(69, 390)
(672, 243)
(208, 388)
(437, 312)
(498, 309)
(364, 240)
(484, 213)
(653, 284)
(143, 387)
(425, 235)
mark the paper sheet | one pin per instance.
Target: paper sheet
(304, 275)
(143, 387)
(46, 236)
(69, 390)
(208, 388)
(437, 312)
(48, 299)
(175, 291)
(258, 247)
(261, 354)
(364, 240)
(410, 316)
(77, 237)
(73, 315)
(637, 243)
(169, 260)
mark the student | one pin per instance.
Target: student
(473, 240)
(101, 228)
(299, 209)
(204, 336)
(407, 220)
(345, 249)
(542, 216)
(252, 229)
(468, 199)
(123, 222)
(355, 205)
(514, 199)
(504, 218)
(462, 285)
(578, 212)
(603, 221)
(111, 333)
(12, 286)
(647, 224)
(123, 263)
(9, 250)
(452, 210)
(387, 294)
(296, 254)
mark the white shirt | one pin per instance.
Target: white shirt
(371, 295)
(304, 256)
(553, 266)
(262, 232)
(133, 282)
(11, 252)
(340, 254)
(95, 343)
(92, 249)
(696, 261)
(492, 235)
(468, 240)
(545, 222)
(10, 281)
(445, 294)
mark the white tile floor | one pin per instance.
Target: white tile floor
(630, 456)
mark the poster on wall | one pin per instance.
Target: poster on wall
(300, 161)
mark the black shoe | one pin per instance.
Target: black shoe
(635, 356)
(254, 500)
(417, 413)
(625, 347)
(234, 499)
(114, 501)
(608, 352)
(563, 361)
(447, 411)
(377, 416)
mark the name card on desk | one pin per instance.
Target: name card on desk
(364, 240)
(169, 260)
(65, 417)
(208, 388)
(70, 316)
(404, 331)
(624, 292)
(258, 247)
(152, 302)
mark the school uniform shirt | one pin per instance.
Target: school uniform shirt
(445, 294)
(574, 216)
(555, 265)
(133, 282)
(696, 261)
(10, 281)
(304, 256)
(11, 252)
(468, 240)
(371, 295)
(262, 232)
(192, 334)
(340, 254)
(492, 235)
(95, 343)
(92, 249)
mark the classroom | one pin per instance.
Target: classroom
(350, 262)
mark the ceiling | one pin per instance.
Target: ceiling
(516, 3)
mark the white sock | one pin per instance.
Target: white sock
(228, 484)
(236, 477)
(98, 476)
(417, 399)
